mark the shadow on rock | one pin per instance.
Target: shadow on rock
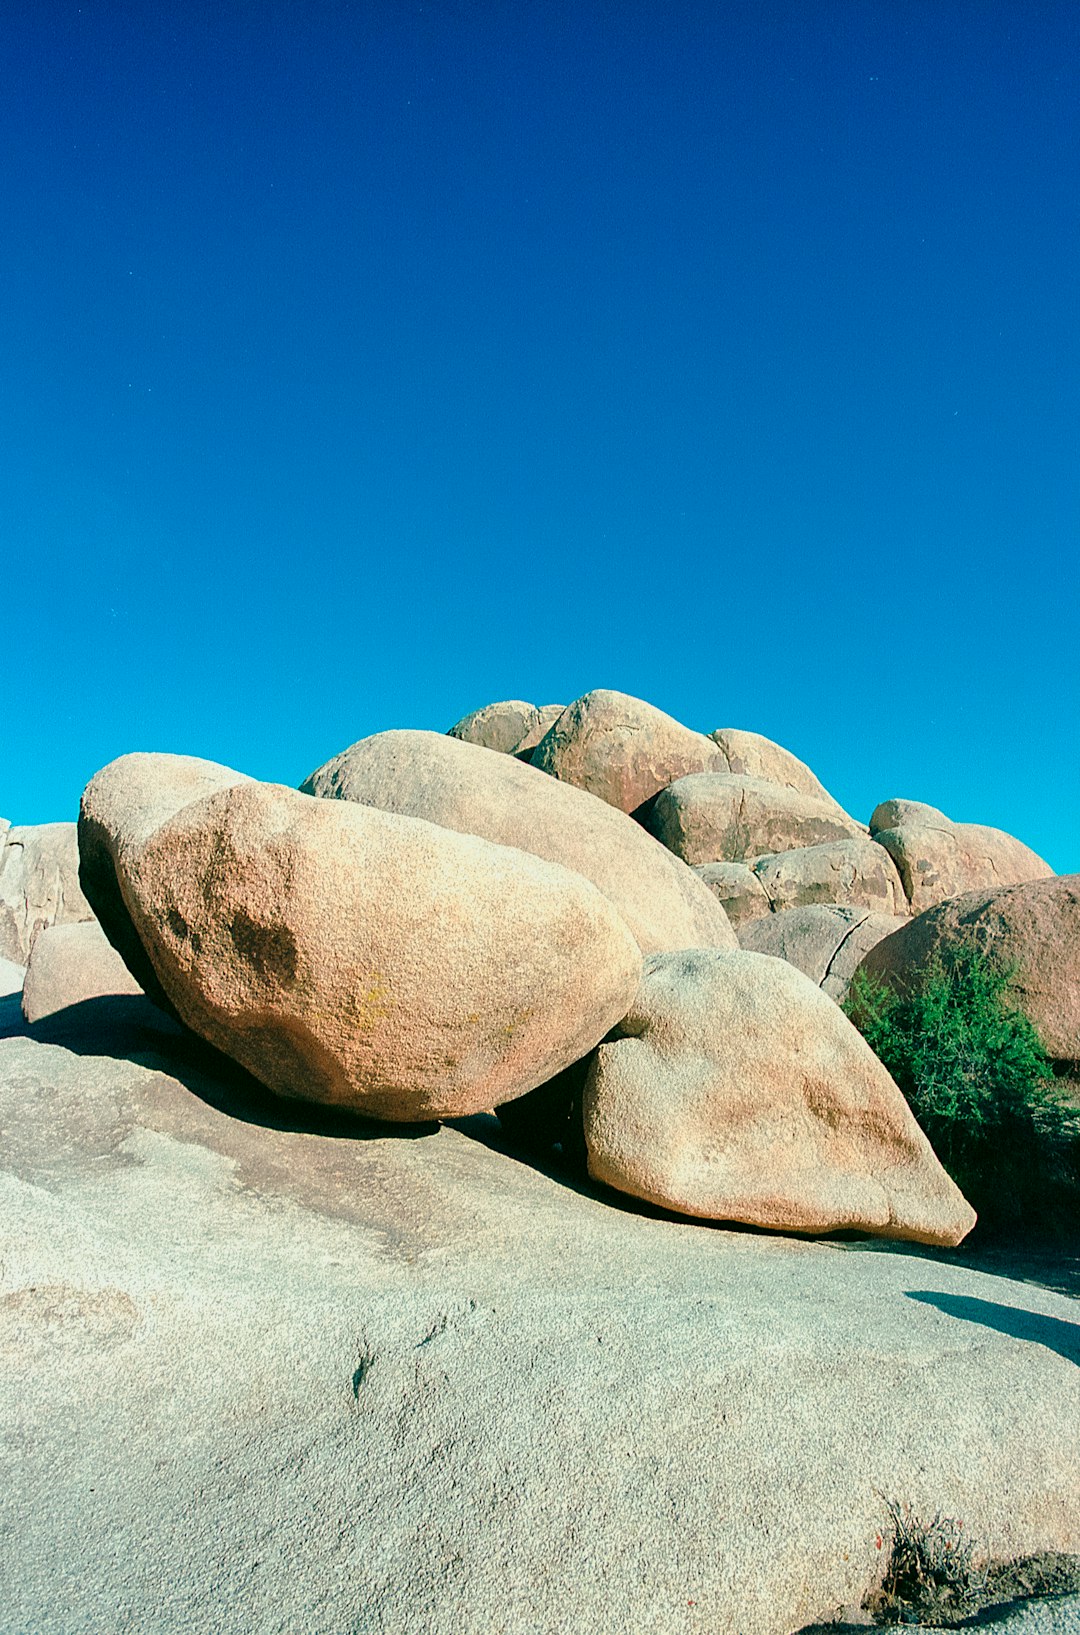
(1052, 1332)
(131, 1028)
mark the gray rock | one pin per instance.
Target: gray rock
(270, 1377)
(858, 872)
(738, 888)
(826, 941)
(720, 817)
(12, 977)
(39, 884)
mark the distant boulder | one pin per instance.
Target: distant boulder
(826, 941)
(938, 859)
(750, 755)
(511, 727)
(622, 749)
(460, 786)
(720, 817)
(39, 884)
(70, 964)
(736, 1091)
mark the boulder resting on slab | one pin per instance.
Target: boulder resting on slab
(938, 859)
(735, 1090)
(721, 817)
(352, 956)
(858, 872)
(70, 964)
(463, 787)
(622, 749)
(39, 884)
(826, 941)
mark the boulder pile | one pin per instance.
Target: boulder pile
(593, 897)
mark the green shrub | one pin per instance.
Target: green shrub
(980, 1084)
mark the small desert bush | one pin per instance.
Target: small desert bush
(981, 1086)
(931, 1575)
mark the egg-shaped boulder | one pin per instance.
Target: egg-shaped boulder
(722, 817)
(622, 749)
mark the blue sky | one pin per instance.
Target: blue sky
(365, 363)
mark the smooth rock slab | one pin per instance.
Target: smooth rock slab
(70, 964)
(735, 1090)
(719, 817)
(323, 1381)
(348, 955)
(461, 787)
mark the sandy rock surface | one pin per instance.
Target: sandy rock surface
(720, 817)
(735, 1090)
(738, 888)
(70, 964)
(622, 749)
(938, 859)
(461, 787)
(1034, 928)
(510, 726)
(348, 955)
(268, 1371)
(826, 941)
(39, 884)
(754, 756)
(858, 872)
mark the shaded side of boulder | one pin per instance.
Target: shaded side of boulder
(354, 957)
(938, 859)
(826, 942)
(738, 888)
(461, 787)
(39, 884)
(735, 1090)
(511, 726)
(1031, 929)
(121, 808)
(858, 872)
(70, 964)
(719, 817)
(622, 749)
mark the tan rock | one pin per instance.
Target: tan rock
(462, 787)
(752, 756)
(622, 749)
(720, 817)
(39, 884)
(1032, 928)
(70, 964)
(511, 726)
(824, 941)
(121, 807)
(351, 956)
(735, 1090)
(738, 888)
(938, 859)
(858, 872)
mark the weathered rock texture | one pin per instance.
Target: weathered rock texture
(70, 964)
(622, 749)
(352, 956)
(752, 756)
(1033, 929)
(938, 859)
(121, 808)
(39, 884)
(306, 1378)
(511, 726)
(462, 787)
(827, 942)
(720, 817)
(858, 872)
(738, 888)
(736, 1090)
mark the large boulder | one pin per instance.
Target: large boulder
(39, 884)
(511, 726)
(70, 964)
(121, 808)
(858, 872)
(1032, 930)
(738, 888)
(317, 1383)
(352, 956)
(938, 859)
(622, 749)
(721, 817)
(735, 1090)
(462, 787)
(826, 941)
(750, 755)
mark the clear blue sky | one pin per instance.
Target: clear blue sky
(363, 363)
